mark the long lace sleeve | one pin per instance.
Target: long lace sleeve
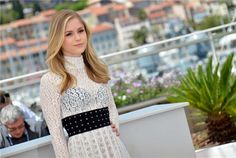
(114, 116)
(49, 101)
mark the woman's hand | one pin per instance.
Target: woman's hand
(114, 129)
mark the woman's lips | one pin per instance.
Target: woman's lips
(79, 45)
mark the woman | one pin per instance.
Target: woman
(74, 94)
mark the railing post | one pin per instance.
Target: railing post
(215, 57)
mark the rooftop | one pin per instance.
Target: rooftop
(102, 27)
(101, 10)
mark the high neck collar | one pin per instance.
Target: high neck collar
(74, 62)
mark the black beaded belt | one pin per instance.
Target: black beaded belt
(86, 121)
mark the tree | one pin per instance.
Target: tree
(7, 16)
(4, 19)
(140, 36)
(211, 21)
(36, 7)
(142, 15)
(79, 5)
(18, 9)
(73, 6)
(155, 32)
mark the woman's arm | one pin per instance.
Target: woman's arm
(50, 104)
(114, 116)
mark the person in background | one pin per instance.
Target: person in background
(17, 128)
(5, 99)
(36, 123)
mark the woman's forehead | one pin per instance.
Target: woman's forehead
(73, 24)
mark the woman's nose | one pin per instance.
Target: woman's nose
(77, 36)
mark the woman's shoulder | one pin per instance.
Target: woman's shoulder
(50, 78)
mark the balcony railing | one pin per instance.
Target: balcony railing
(160, 48)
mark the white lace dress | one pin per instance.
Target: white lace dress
(86, 96)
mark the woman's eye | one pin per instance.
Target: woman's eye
(68, 34)
(80, 31)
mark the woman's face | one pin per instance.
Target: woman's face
(75, 38)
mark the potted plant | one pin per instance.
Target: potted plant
(213, 91)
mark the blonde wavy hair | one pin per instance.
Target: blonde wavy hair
(95, 68)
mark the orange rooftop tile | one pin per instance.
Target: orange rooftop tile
(100, 10)
(191, 5)
(48, 13)
(7, 41)
(33, 20)
(156, 15)
(30, 41)
(102, 27)
(23, 52)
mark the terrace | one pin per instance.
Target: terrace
(148, 129)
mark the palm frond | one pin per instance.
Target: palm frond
(225, 74)
(215, 85)
(208, 89)
(230, 100)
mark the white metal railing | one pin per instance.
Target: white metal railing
(129, 56)
(23, 76)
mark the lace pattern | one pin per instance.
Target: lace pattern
(76, 99)
(79, 99)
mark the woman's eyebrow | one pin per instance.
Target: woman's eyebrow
(76, 29)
